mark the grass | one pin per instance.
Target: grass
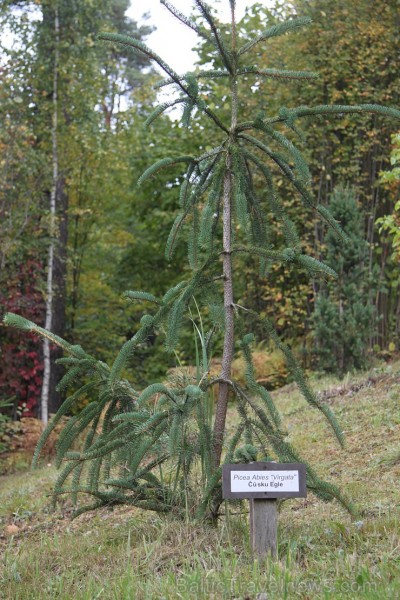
(124, 553)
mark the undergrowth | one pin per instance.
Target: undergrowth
(124, 553)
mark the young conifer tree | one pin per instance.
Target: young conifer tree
(344, 319)
(145, 448)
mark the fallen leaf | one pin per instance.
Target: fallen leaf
(11, 530)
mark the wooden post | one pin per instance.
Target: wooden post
(263, 527)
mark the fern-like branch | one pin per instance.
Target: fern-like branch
(276, 30)
(138, 45)
(185, 20)
(160, 164)
(210, 74)
(278, 73)
(224, 53)
(158, 111)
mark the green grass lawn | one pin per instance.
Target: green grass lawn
(128, 554)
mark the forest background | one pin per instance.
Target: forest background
(72, 137)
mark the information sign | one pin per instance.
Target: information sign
(264, 480)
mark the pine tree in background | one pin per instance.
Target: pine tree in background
(344, 318)
(144, 448)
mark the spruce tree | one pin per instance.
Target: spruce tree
(344, 318)
(160, 448)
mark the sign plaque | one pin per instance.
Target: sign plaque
(263, 483)
(264, 480)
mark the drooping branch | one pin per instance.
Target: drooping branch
(291, 114)
(289, 256)
(276, 30)
(201, 75)
(225, 55)
(278, 73)
(298, 374)
(158, 111)
(302, 188)
(185, 20)
(305, 111)
(138, 45)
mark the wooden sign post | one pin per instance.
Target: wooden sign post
(263, 483)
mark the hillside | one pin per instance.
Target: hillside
(126, 553)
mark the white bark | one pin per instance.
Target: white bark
(44, 401)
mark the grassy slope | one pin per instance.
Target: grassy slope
(130, 554)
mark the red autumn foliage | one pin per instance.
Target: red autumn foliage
(21, 363)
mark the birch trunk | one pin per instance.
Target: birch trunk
(44, 401)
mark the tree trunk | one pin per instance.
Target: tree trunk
(59, 293)
(229, 339)
(227, 356)
(45, 396)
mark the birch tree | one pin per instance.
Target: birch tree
(44, 401)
